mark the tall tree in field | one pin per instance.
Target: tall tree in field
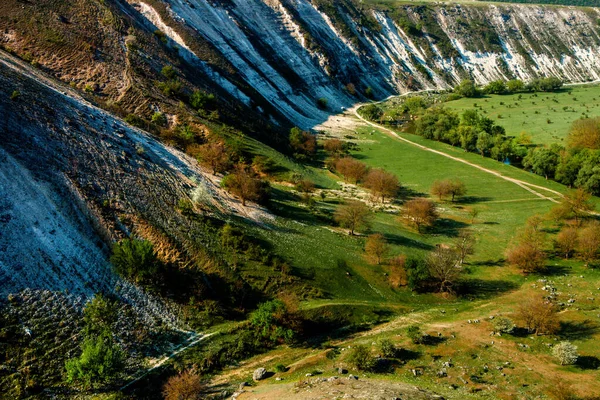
(351, 169)
(447, 187)
(444, 267)
(353, 215)
(566, 240)
(585, 134)
(214, 155)
(539, 316)
(376, 247)
(589, 242)
(575, 204)
(464, 245)
(420, 212)
(244, 183)
(382, 184)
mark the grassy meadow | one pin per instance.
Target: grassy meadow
(547, 117)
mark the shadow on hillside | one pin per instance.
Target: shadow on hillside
(491, 262)
(578, 330)
(473, 200)
(406, 242)
(588, 362)
(555, 270)
(482, 289)
(448, 227)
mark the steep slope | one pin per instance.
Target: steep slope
(73, 178)
(295, 52)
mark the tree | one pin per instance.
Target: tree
(335, 147)
(101, 361)
(542, 161)
(566, 240)
(444, 267)
(376, 247)
(441, 189)
(528, 256)
(484, 142)
(244, 183)
(387, 348)
(464, 245)
(99, 315)
(269, 322)
(360, 357)
(539, 316)
(584, 134)
(495, 87)
(305, 186)
(589, 242)
(382, 184)
(303, 143)
(515, 85)
(135, 259)
(214, 155)
(474, 213)
(456, 188)
(353, 215)
(351, 169)
(184, 386)
(420, 212)
(575, 204)
(566, 353)
(467, 88)
(417, 273)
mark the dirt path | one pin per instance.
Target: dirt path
(525, 185)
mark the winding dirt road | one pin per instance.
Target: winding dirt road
(525, 185)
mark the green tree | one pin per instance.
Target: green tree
(484, 143)
(99, 315)
(360, 357)
(101, 361)
(268, 322)
(136, 260)
(495, 87)
(467, 88)
(515, 86)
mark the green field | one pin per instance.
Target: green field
(530, 112)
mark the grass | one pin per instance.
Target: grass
(530, 112)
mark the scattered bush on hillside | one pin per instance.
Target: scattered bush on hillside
(215, 156)
(353, 215)
(416, 335)
(360, 357)
(444, 268)
(269, 321)
(503, 325)
(136, 260)
(574, 204)
(567, 240)
(303, 143)
(184, 386)
(387, 348)
(99, 315)
(566, 353)
(382, 184)
(448, 187)
(589, 243)
(418, 274)
(351, 169)
(420, 212)
(376, 248)
(539, 316)
(244, 183)
(100, 362)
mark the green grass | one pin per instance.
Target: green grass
(524, 116)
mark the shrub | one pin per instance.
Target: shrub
(159, 119)
(267, 320)
(135, 259)
(360, 358)
(504, 325)
(281, 368)
(415, 334)
(15, 95)
(100, 362)
(99, 315)
(387, 348)
(566, 353)
(201, 101)
(322, 103)
(185, 386)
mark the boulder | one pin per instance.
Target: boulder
(259, 374)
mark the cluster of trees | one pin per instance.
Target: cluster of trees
(530, 251)
(467, 87)
(577, 165)
(382, 184)
(470, 131)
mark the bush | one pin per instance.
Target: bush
(100, 362)
(322, 103)
(415, 334)
(281, 368)
(268, 322)
(387, 348)
(135, 259)
(360, 358)
(99, 315)
(159, 119)
(566, 353)
(504, 325)
(185, 386)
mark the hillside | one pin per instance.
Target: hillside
(192, 190)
